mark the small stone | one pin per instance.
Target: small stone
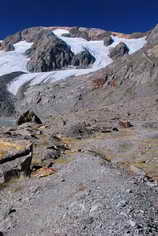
(43, 172)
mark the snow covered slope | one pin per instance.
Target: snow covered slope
(16, 60)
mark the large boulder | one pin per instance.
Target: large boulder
(83, 59)
(15, 158)
(49, 53)
(28, 116)
(119, 51)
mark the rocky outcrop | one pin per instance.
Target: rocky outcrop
(49, 53)
(7, 100)
(108, 41)
(9, 47)
(77, 32)
(153, 36)
(119, 51)
(83, 59)
(30, 35)
(12, 39)
(15, 158)
(28, 116)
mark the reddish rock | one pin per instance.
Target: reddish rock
(125, 124)
(43, 172)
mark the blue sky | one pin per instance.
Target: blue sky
(115, 15)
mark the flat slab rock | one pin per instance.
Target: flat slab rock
(15, 157)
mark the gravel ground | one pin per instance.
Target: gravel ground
(86, 197)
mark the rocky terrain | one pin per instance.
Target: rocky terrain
(82, 156)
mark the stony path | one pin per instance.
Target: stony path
(86, 197)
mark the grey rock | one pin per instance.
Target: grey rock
(7, 100)
(9, 47)
(76, 32)
(152, 37)
(16, 163)
(108, 41)
(49, 53)
(118, 51)
(12, 39)
(83, 59)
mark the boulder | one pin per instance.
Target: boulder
(83, 59)
(15, 158)
(119, 51)
(49, 53)
(108, 41)
(28, 116)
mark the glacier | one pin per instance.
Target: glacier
(17, 60)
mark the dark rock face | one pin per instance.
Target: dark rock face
(29, 116)
(108, 41)
(83, 59)
(49, 53)
(120, 50)
(7, 100)
(9, 47)
(76, 32)
(16, 159)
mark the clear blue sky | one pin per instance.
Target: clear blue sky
(115, 15)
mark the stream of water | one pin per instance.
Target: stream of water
(7, 122)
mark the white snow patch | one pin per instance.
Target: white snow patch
(16, 60)
(60, 32)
